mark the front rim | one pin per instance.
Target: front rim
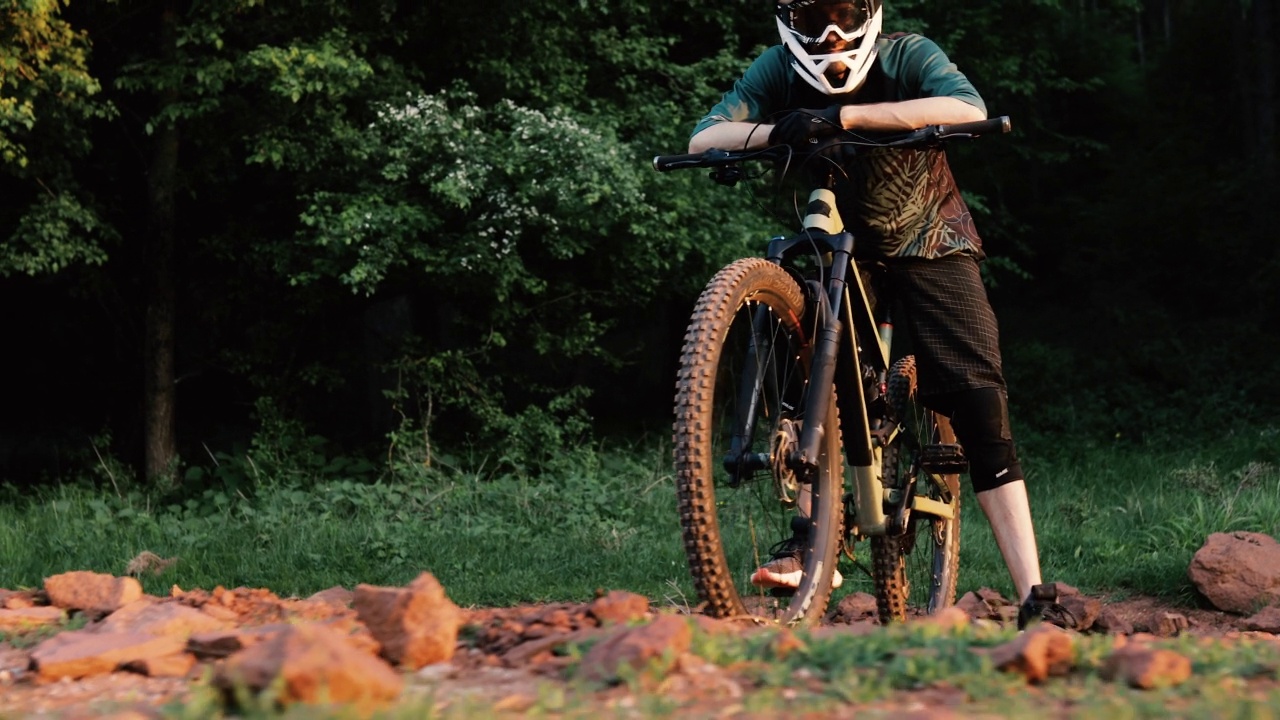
(738, 498)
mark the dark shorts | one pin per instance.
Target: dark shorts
(942, 315)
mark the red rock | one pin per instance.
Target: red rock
(1112, 624)
(993, 598)
(526, 652)
(179, 665)
(30, 618)
(220, 644)
(1238, 572)
(854, 607)
(218, 612)
(314, 665)
(975, 607)
(355, 632)
(82, 653)
(94, 593)
(415, 626)
(1037, 653)
(1167, 624)
(336, 595)
(1085, 610)
(1267, 620)
(665, 638)
(17, 599)
(715, 626)
(952, 618)
(619, 607)
(1145, 668)
(160, 618)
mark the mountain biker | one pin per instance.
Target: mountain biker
(834, 70)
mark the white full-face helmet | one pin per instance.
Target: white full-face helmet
(832, 42)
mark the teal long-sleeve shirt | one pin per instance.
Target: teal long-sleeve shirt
(898, 203)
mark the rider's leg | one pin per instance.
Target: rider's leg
(956, 340)
(980, 418)
(1009, 513)
(981, 421)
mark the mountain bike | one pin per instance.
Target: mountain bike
(785, 377)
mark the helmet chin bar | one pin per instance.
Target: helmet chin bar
(813, 68)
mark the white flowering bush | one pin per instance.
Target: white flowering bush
(524, 226)
(471, 193)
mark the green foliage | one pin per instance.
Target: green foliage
(487, 184)
(56, 232)
(535, 231)
(497, 183)
(43, 64)
(47, 99)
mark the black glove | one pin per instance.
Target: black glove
(801, 128)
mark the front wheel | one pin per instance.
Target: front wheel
(740, 410)
(915, 570)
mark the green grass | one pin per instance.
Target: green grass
(489, 539)
(876, 669)
(1120, 518)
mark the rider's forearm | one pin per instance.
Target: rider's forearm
(909, 114)
(903, 115)
(731, 136)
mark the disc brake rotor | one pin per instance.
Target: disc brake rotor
(785, 480)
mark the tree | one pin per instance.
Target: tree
(47, 98)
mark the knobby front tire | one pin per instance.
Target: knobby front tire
(746, 356)
(916, 572)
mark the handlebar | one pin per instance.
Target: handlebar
(929, 136)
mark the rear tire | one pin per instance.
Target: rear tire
(915, 572)
(749, 316)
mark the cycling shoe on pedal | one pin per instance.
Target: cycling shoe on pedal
(1042, 606)
(786, 563)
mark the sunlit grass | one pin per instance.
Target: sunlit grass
(1122, 519)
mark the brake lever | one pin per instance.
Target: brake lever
(727, 175)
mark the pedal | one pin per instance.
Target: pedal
(944, 459)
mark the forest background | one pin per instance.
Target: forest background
(372, 240)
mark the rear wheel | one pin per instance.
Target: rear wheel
(740, 410)
(915, 570)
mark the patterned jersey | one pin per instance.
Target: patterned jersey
(897, 203)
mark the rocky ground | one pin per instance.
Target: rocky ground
(88, 644)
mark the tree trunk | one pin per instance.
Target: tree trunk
(159, 390)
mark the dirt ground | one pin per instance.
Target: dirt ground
(500, 664)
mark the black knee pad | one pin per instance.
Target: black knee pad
(981, 421)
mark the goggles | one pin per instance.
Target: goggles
(814, 20)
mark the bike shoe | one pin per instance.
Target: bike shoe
(786, 562)
(1042, 606)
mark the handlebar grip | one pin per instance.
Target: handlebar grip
(1000, 124)
(663, 163)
